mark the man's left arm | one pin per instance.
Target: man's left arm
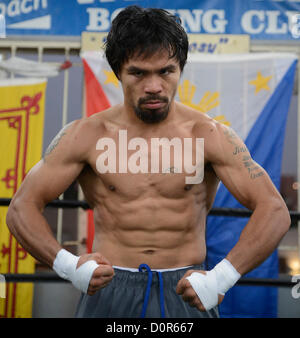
(250, 184)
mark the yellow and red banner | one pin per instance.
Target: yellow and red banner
(22, 103)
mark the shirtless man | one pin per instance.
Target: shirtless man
(153, 219)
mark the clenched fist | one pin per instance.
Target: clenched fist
(101, 276)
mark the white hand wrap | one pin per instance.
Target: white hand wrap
(216, 281)
(65, 266)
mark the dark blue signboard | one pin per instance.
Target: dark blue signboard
(261, 19)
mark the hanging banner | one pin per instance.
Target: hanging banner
(262, 20)
(21, 137)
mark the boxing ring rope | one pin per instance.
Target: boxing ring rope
(51, 277)
(73, 204)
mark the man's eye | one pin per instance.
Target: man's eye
(137, 73)
(165, 71)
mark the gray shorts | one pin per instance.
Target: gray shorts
(149, 294)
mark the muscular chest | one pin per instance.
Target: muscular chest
(164, 164)
(169, 163)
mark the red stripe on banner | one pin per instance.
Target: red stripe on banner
(96, 101)
(90, 231)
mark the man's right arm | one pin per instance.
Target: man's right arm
(62, 163)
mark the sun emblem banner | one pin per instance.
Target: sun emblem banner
(22, 104)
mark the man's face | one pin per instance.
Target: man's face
(150, 84)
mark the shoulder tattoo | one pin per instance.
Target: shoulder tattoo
(56, 141)
(254, 170)
(230, 136)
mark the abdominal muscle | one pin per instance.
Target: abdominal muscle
(162, 238)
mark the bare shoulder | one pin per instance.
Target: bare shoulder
(220, 140)
(101, 122)
(224, 143)
(73, 138)
(203, 125)
(201, 120)
(76, 139)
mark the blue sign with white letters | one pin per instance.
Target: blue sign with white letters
(261, 19)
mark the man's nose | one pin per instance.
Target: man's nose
(153, 85)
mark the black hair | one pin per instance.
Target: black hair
(142, 32)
